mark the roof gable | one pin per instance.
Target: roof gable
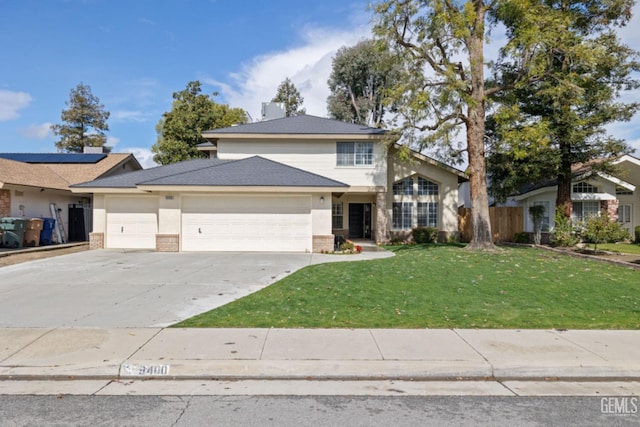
(296, 125)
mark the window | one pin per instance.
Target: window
(354, 153)
(336, 215)
(582, 210)
(426, 187)
(403, 215)
(545, 219)
(621, 191)
(403, 188)
(428, 214)
(415, 194)
(583, 187)
(624, 213)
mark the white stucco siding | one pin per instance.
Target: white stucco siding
(27, 202)
(131, 222)
(317, 156)
(246, 222)
(447, 188)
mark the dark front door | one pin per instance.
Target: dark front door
(76, 223)
(360, 220)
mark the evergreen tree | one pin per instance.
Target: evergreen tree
(289, 95)
(84, 122)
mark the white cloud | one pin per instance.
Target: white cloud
(11, 103)
(130, 116)
(143, 155)
(41, 131)
(112, 141)
(308, 65)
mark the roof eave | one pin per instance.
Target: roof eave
(239, 189)
(315, 136)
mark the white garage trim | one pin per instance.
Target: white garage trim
(132, 222)
(246, 222)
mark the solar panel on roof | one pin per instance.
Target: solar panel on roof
(76, 158)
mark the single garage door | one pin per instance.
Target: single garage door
(132, 222)
(246, 223)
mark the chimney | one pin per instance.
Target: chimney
(92, 150)
(273, 110)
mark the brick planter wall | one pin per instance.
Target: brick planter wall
(167, 242)
(323, 243)
(96, 240)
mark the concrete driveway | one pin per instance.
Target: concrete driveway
(121, 289)
(109, 288)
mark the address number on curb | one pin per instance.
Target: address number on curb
(142, 370)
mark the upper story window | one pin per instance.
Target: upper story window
(403, 187)
(622, 191)
(426, 187)
(354, 153)
(584, 187)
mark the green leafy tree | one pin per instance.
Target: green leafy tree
(601, 229)
(180, 130)
(359, 76)
(84, 122)
(289, 95)
(440, 45)
(543, 130)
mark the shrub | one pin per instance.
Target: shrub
(637, 231)
(347, 246)
(600, 229)
(424, 234)
(563, 233)
(522, 237)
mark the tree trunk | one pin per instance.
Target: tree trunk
(482, 237)
(563, 198)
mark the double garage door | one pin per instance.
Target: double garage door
(215, 223)
(246, 223)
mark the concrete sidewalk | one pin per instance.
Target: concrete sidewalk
(318, 354)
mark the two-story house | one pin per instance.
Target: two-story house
(287, 184)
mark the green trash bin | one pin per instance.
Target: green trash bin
(14, 229)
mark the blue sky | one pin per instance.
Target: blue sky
(135, 53)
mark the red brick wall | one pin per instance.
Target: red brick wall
(5, 203)
(611, 206)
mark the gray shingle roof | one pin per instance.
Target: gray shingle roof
(249, 172)
(302, 125)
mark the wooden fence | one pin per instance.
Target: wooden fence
(505, 223)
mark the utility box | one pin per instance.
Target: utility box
(32, 233)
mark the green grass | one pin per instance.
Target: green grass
(624, 248)
(437, 286)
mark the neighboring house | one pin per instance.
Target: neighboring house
(590, 194)
(31, 182)
(287, 184)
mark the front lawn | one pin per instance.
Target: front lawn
(437, 286)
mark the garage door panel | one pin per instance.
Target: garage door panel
(132, 223)
(251, 223)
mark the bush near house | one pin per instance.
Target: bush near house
(522, 237)
(424, 235)
(637, 231)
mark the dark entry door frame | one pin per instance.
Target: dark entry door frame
(360, 220)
